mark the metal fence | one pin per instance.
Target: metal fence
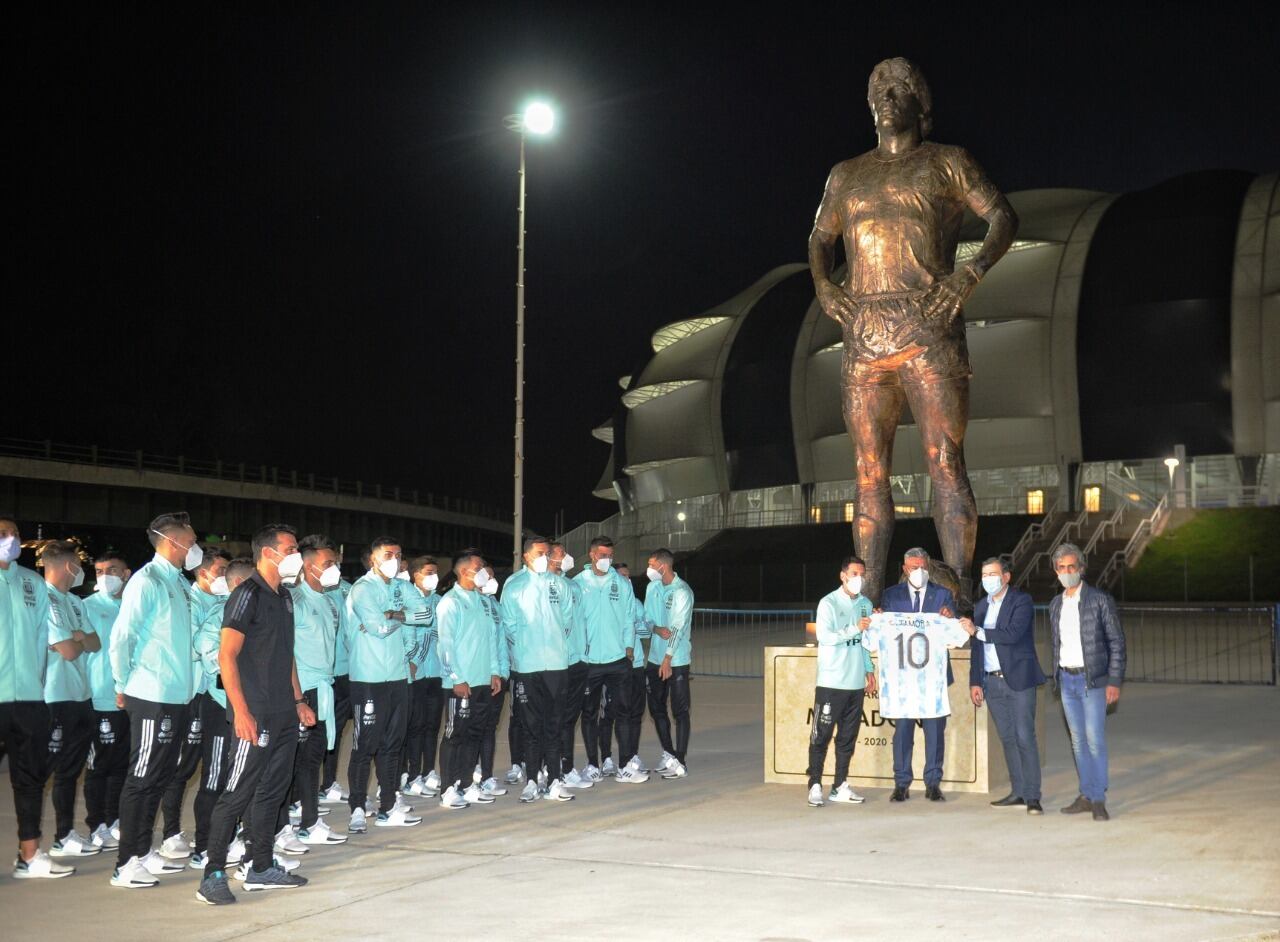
(1164, 644)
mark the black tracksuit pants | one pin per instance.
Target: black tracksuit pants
(70, 737)
(489, 735)
(24, 727)
(188, 763)
(464, 723)
(541, 696)
(422, 734)
(313, 742)
(834, 711)
(156, 733)
(216, 747)
(258, 777)
(106, 768)
(575, 693)
(515, 728)
(381, 714)
(676, 690)
(605, 704)
(341, 716)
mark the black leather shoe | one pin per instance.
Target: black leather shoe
(1033, 807)
(1100, 811)
(1008, 801)
(1081, 804)
(933, 793)
(901, 793)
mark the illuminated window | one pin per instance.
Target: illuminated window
(815, 514)
(848, 511)
(1093, 499)
(1035, 502)
(904, 509)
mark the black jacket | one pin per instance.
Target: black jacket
(1101, 637)
(1015, 640)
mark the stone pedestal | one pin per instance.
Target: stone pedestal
(973, 760)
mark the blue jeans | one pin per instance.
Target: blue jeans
(1014, 712)
(904, 740)
(1085, 708)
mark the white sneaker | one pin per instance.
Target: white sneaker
(431, 784)
(396, 818)
(516, 775)
(530, 792)
(295, 810)
(176, 846)
(452, 799)
(159, 866)
(846, 795)
(115, 831)
(404, 780)
(332, 795)
(630, 776)
(491, 788)
(574, 780)
(401, 805)
(198, 861)
(476, 774)
(102, 837)
(607, 767)
(414, 787)
(73, 844)
(675, 770)
(287, 842)
(815, 796)
(41, 866)
(474, 795)
(558, 792)
(638, 764)
(235, 851)
(663, 763)
(320, 833)
(542, 778)
(284, 863)
(592, 774)
(357, 823)
(133, 875)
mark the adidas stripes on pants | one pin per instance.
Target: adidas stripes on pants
(464, 724)
(575, 696)
(675, 689)
(188, 762)
(341, 716)
(381, 714)
(489, 735)
(258, 777)
(24, 727)
(422, 732)
(70, 736)
(106, 767)
(608, 693)
(834, 711)
(156, 732)
(626, 722)
(541, 696)
(312, 743)
(217, 744)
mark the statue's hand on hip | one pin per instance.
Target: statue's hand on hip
(836, 303)
(944, 300)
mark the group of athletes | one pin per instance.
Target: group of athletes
(245, 677)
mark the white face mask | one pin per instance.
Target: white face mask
(404, 576)
(290, 567)
(854, 585)
(490, 587)
(219, 586)
(604, 564)
(1069, 580)
(330, 577)
(652, 574)
(481, 578)
(539, 565)
(389, 567)
(566, 563)
(992, 584)
(430, 582)
(919, 578)
(109, 585)
(195, 556)
(78, 579)
(10, 548)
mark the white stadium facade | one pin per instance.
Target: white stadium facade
(1120, 331)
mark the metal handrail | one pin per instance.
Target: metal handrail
(1112, 522)
(46, 450)
(1033, 532)
(1142, 535)
(1077, 524)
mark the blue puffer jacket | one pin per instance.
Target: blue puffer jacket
(1101, 637)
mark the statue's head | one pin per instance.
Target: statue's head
(899, 96)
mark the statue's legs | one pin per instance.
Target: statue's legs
(941, 411)
(871, 415)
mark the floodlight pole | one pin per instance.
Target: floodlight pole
(518, 535)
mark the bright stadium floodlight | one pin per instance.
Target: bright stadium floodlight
(539, 118)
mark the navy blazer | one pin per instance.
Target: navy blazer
(1014, 636)
(897, 598)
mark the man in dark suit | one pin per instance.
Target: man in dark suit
(918, 595)
(1004, 671)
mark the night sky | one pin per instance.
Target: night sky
(289, 237)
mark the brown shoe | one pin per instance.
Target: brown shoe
(1100, 811)
(1081, 804)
